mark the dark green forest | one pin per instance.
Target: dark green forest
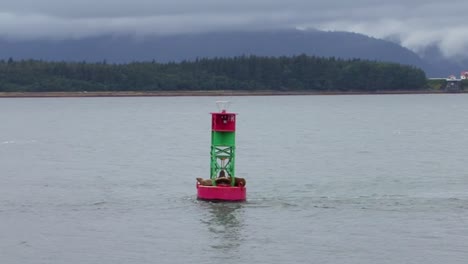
(297, 73)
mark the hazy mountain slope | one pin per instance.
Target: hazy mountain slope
(440, 66)
(120, 49)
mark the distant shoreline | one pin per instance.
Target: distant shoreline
(199, 93)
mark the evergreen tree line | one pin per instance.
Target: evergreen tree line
(238, 73)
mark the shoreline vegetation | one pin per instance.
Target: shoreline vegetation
(236, 76)
(202, 93)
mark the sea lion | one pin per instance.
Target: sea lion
(223, 181)
(239, 182)
(205, 182)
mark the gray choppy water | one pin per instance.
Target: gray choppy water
(331, 179)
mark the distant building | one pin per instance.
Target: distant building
(453, 85)
(464, 75)
(451, 77)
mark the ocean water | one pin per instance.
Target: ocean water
(330, 179)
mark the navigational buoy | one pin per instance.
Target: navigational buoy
(223, 184)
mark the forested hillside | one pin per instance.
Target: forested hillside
(238, 73)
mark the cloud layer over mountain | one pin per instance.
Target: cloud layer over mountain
(416, 24)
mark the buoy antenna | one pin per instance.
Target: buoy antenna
(223, 106)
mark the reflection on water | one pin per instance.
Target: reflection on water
(225, 224)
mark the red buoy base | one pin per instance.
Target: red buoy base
(221, 193)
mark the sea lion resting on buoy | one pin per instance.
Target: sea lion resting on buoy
(205, 182)
(224, 181)
(208, 182)
(239, 181)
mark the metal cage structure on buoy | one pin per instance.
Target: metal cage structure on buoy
(224, 185)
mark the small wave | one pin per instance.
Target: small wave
(364, 152)
(18, 142)
(99, 203)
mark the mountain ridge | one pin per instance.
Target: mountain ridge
(127, 48)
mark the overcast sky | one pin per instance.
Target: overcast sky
(417, 23)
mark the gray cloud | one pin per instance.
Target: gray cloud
(417, 23)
